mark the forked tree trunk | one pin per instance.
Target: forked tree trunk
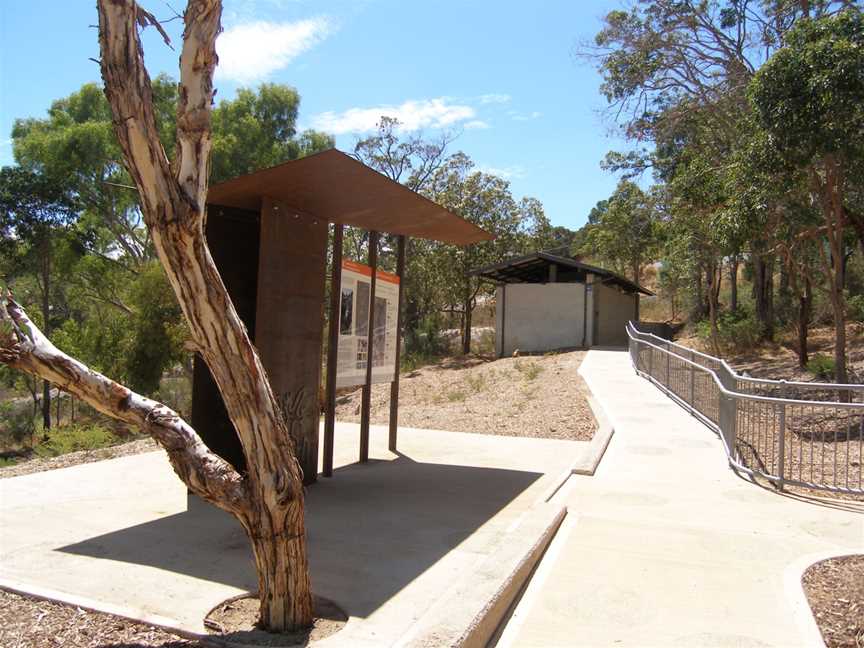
(268, 500)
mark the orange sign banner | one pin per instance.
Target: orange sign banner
(366, 270)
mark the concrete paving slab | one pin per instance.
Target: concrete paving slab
(386, 539)
(666, 546)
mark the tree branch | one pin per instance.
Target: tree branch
(24, 347)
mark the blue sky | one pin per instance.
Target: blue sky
(501, 73)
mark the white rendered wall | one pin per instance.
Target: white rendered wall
(614, 309)
(539, 317)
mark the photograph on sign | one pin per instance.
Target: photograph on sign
(354, 307)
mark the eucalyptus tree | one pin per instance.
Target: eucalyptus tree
(410, 159)
(668, 63)
(486, 201)
(34, 217)
(626, 231)
(268, 498)
(258, 129)
(808, 98)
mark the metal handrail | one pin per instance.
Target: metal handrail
(764, 421)
(762, 381)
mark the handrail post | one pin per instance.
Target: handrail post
(781, 447)
(728, 412)
(692, 384)
(668, 366)
(651, 361)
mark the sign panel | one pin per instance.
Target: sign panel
(354, 325)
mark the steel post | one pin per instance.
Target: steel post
(781, 445)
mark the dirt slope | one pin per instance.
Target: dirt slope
(534, 396)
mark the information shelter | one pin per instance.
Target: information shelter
(268, 233)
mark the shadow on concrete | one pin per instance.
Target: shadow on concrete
(814, 497)
(372, 529)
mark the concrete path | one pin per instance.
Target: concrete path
(387, 539)
(666, 546)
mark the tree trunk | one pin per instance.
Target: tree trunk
(700, 307)
(466, 330)
(46, 324)
(805, 306)
(833, 262)
(173, 198)
(733, 283)
(763, 295)
(276, 558)
(268, 499)
(713, 278)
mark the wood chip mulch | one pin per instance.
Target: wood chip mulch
(835, 590)
(27, 622)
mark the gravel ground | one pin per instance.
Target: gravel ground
(39, 464)
(835, 590)
(532, 396)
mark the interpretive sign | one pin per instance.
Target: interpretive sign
(354, 325)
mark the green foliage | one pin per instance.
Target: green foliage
(737, 331)
(73, 438)
(158, 331)
(808, 96)
(424, 345)
(624, 231)
(256, 130)
(855, 306)
(486, 344)
(438, 280)
(821, 366)
(16, 424)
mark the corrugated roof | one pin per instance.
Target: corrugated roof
(534, 268)
(335, 187)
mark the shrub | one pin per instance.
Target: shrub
(72, 438)
(486, 344)
(855, 307)
(16, 424)
(530, 370)
(424, 345)
(476, 382)
(821, 366)
(736, 332)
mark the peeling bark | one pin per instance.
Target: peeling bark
(268, 500)
(24, 347)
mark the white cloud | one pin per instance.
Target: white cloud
(518, 116)
(494, 98)
(508, 173)
(476, 124)
(252, 51)
(413, 115)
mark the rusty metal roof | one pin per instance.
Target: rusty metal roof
(335, 187)
(534, 268)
